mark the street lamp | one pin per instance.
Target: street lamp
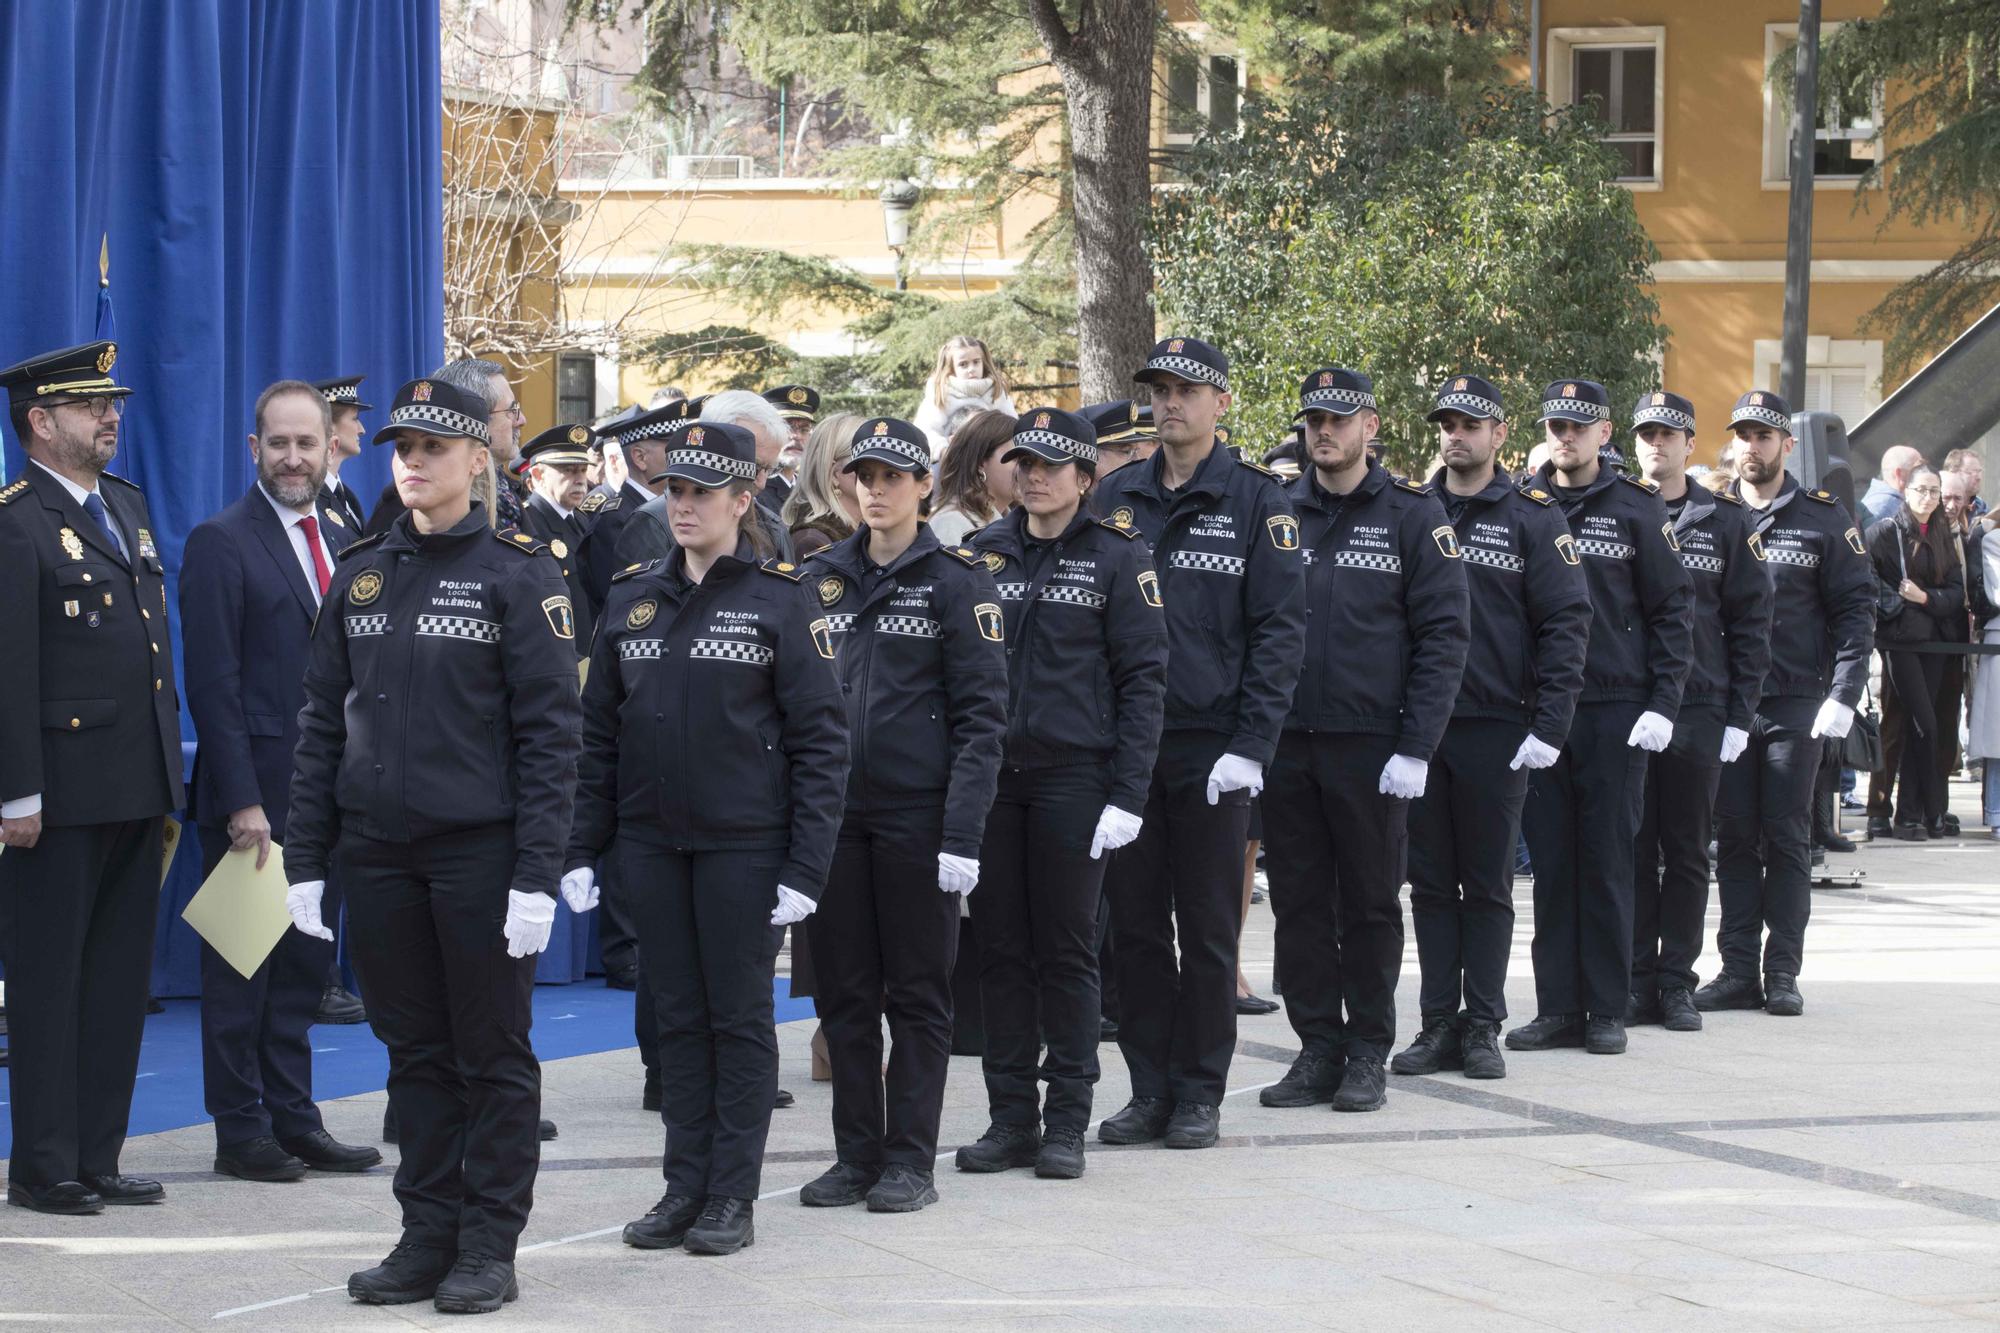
(899, 199)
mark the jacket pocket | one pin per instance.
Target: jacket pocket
(264, 724)
(78, 714)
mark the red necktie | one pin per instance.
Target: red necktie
(320, 571)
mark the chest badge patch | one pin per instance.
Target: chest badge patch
(822, 633)
(1284, 531)
(559, 548)
(1566, 548)
(830, 590)
(642, 615)
(1854, 540)
(562, 619)
(333, 517)
(367, 586)
(1446, 538)
(72, 610)
(146, 547)
(1149, 587)
(992, 625)
(995, 562)
(71, 543)
(1667, 531)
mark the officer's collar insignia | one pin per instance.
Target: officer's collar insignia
(333, 517)
(591, 503)
(9, 492)
(830, 590)
(1122, 516)
(1538, 494)
(146, 547)
(1447, 541)
(642, 615)
(72, 544)
(822, 635)
(561, 618)
(1854, 540)
(420, 392)
(367, 586)
(107, 358)
(1566, 547)
(1149, 587)
(579, 434)
(559, 548)
(992, 625)
(995, 562)
(1284, 531)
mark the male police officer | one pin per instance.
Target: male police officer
(642, 440)
(1386, 627)
(798, 404)
(1822, 627)
(1226, 544)
(556, 461)
(1731, 621)
(1583, 811)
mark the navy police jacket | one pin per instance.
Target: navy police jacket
(441, 695)
(1226, 546)
(1822, 595)
(711, 717)
(1386, 613)
(1732, 605)
(1086, 649)
(920, 652)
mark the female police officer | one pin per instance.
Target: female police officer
(715, 747)
(433, 778)
(1086, 674)
(918, 630)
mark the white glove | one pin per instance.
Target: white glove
(1115, 828)
(1233, 772)
(957, 874)
(1534, 753)
(302, 901)
(1403, 777)
(530, 918)
(1651, 733)
(1735, 741)
(1834, 720)
(579, 889)
(792, 907)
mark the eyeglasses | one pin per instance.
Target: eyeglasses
(97, 404)
(1925, 490)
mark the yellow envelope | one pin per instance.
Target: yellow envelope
(241, 910)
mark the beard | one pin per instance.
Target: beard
(80, 450)
(1757, 470)
(290, 489)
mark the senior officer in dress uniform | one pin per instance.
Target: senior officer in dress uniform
(1386, 634)
(642, 441)
(1086, 676)
(1225, 540)
(90, 762)
(555, 462)
(1583, 811)
(1731, 620)
(1822, 628)
(798, 404)
(344, 397)
(435, 769)
(1530, 625)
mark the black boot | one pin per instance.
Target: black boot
(841, 1185)
(1481, 1043)
(1547, 1033)
(725, 1226)
(1729, 992)
(1677, 1010)
(665, 1224)
(1437, 1047)
(1001, 1147)
(902, 1189)
(1781, 995)
(1604, 1035)
(1193, 1125)
(1642, 1008)
(1878, 828)
(410, 1273)
(1363, 1086)
(477, 1284)
(1061, 1155)
(1143, 1120)
(1313, 1078)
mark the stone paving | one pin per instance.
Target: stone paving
(1836, 1171)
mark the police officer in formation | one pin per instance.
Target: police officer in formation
(1822, 627)
(1731, 621)
(1386, 632)
(434, 775)
(917, 631)
(642, 441)
(1530, 623)
(1226, 544)
(712, 660)
(555, 462)
(1582, 813)
(1086, 674)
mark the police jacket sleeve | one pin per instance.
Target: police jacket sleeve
(538, 663)
(975, 682)
(596, 816)
(1437, 610)
(1847, 601)
(313, 822)
(20, 664)
(1559, 616)
(1746, 623)
(1136, 640)
(814, 738)
(1666, 598)
(212, 666)
(1274, 624)
(645, 537)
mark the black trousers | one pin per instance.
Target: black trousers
(1670, 865)
(454, 1011)
(1920, 778)
(76, 937)
(1463, 831)
(1763, 841)
(1581, 818)
(1036, 918)
(1335, 848)
(884, 940)
(256, 1032)
(704, 927)
(617, 940)
(1179, 887)
(1107, 965)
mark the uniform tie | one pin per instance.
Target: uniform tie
(93, 505)
(321, 573)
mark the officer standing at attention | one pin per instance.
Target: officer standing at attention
(1822, 628)
(90, 763)
(717, 662)
(642, 440)
(919, 635)
(1386, 633)
(555, 462)
(1583, 811)
(1086, 675)
(798, 404)
(1226, 544)
(1529, 627)
(435, 770)
(1731, 621)
(344, 397)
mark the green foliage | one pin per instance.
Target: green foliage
(1439, 48)
(1409, 237)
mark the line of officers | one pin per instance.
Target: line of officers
(1080, 705)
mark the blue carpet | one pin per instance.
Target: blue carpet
(579, 1019)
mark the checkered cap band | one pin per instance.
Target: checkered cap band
(744, 468)
(1214, 564)
(651, 431)
(1190, 369)
(628, 649)
(1671, 417)
(1705, 564)
(343, 393)
(881, 446)
(734, 650)
(1472, 404)
(914, 627)
(1502, 560)
(359, 627)
(459, 627)
(1563, 407)
(1779, 555)
(1063, 444)
(1766, 416)
(1343, 401)
(1376, 560)
(446, 421)
(1604, 550)
(1069, 596)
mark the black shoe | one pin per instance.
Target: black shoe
(1061, 1155)
(1143, 1120)
(340, 1006)
(1480, 1041)
(1677, 1010)
(1642, 1009)
(1950, 822)
(1548, 1032)
(1936, 828)
(902, 1189)
(410, 1273)
(623, 978)
(783, 1100)
(840, 1186)
(1107, 1029)
(545, 1130)
(1781, 997)
(118, 1190)
(1363, 1087)
(1436, 1047)
(258, 1159)
(477, 1284)
(1311, 1081)
(665, 1224)
(320, 1151)
(649, 1096)
(1604, 1035)
(1909, 832)
(725, 1226)
(1728, 992)
(1878, 827)
(70, 1198)
(1193, 1125)
(1001, 1147)
(1830, 841)
(1252, 1005)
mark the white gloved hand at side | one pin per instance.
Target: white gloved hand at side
(1834, 720)
(793, 907)
(302, 901)
(957, 874)
(1735, 741)
(1534, 753)
(1403, 777)
(1233, 772)
(1115, 828)
(1651, 733)
(530, 918)
(579, 889)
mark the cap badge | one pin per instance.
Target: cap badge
(1041, 421)
(1458, 385)
(579, 434)
(830, 590)
(796, 396)
(1326, 379)
(1175, 345)
(881, 428)
(1569, 391)
(1659, 400)
(695, 437)
(1756, 400)
(107, 358)
(420, 392)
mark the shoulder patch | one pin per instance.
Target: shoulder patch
(1649, 487)
(1727, 498)
(1413, 487)
(597, 501)
(516, 540)
(19, 487)
(1129, 533)
(1535, 493)
(783, 569)
(632, 571)
(965, 555)
(1824, 497)
(1261, 470)
(355, 548)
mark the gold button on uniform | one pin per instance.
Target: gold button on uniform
(144, 612)
(75, 722)
(156, 684)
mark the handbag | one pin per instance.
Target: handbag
(1861, 747)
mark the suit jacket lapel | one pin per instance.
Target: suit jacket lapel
(271, 531)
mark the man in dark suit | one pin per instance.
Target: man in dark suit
(344, 397)
(90, 763)
(555, 462)
(251, 581)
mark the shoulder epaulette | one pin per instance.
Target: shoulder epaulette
(1824, 497)
(631, 571)
(598, 501)
(363, 544)
(1413, 487)
(1130, 534)
(113, 476)
(783, 569)
(517, 540)
(8, 495)
(964, 554)
(1649, 487)
(1261, 470)
(1727, 498)
(1535, 493)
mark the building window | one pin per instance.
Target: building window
(1203, 93)
(576, 388)
(1842, 377)
(1846, 134)
(1618, 73)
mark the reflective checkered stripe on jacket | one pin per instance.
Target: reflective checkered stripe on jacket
(1380, 561)
(733, 650)
(459, 627)
(1214, 564)
(1604, 550)
(915, 627)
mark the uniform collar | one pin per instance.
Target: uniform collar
(851, 556)
(1307, 490)
(1787, 488)
(1211, 478)
(1009, 534)
(1606, 475)
(1496, 489)
(1700, 504)
(725, 568)
(403, 534)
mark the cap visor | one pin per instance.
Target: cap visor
(1577, 417)
(795, 414)
(706, 477)
(1149, 374)
(1438, 414)
(897, 461)
(424, 428)
(1043, 452)
(1305, 412)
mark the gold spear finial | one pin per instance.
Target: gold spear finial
(104, 261)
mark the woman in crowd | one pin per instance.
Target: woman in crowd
(1982, 726)
(965, 382)
(821, 509)
(975, 484)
